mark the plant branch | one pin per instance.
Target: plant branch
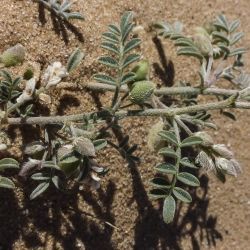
(168, 112)
(166, 91)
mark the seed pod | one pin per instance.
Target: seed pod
(141, 91)
(203, 42)
(141, 70)
(69, 165)
(207, 139)
(13, 55)
(155, 142)
(28, 74)
(84, 146)
(223, 151)
(205, 161)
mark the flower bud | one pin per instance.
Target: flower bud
(155, 142)
(223, 151)
(141, 91)
(207, 139)
(209, 27)
(141, 70)
(13, 55)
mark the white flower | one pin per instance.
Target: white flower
(54, 74)
(28, 91)
(231, 167)
(223, 151)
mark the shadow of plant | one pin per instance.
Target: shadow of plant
(60, 26)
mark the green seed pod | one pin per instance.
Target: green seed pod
(141, 91)
(69, 165)
(28, 74)
(13, 55)
(209, 27)
(141, 70)
(155, 142)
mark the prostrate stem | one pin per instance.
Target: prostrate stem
(169, 112)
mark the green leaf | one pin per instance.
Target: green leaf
(191, 141)
(234, 26)
(167, 152)
(8, 163)
(108, 36)
(102, 78)
(186, 163)
(6, 183)
(42, 187)
(160, 182)
(166, 168)
(222, 23)
(169, 207)
(133, 43)
(114, 29)
(125, 21)
(40, 177)
(111, 47)
(169, 136)
(238, 51)
(100, 144)
(182, 195)
(189, 51)
(129, 77)
(157, 194)
(130, 59)
(221, 37)
(184, 42)
(188, 179)
(108, 61)
(236, 37)
(74, 60)
(50, 164)
(73, 15)
(56, 181)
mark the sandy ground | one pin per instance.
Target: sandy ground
(220, 214)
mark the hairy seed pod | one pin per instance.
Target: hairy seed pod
(35, 150)
(28, 74)
(13, 55)
(84, 146)
(203, 42)
(141, 70)
(141, 91)
(155, 142)
(223, 151)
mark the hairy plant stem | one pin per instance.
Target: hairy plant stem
(166, 91)
(168, 112)
(178, 153)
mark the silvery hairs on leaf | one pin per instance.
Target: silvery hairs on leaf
(53, 75)
(28, 92)
(29, 166)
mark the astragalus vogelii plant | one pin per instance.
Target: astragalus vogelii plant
(67, 148)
